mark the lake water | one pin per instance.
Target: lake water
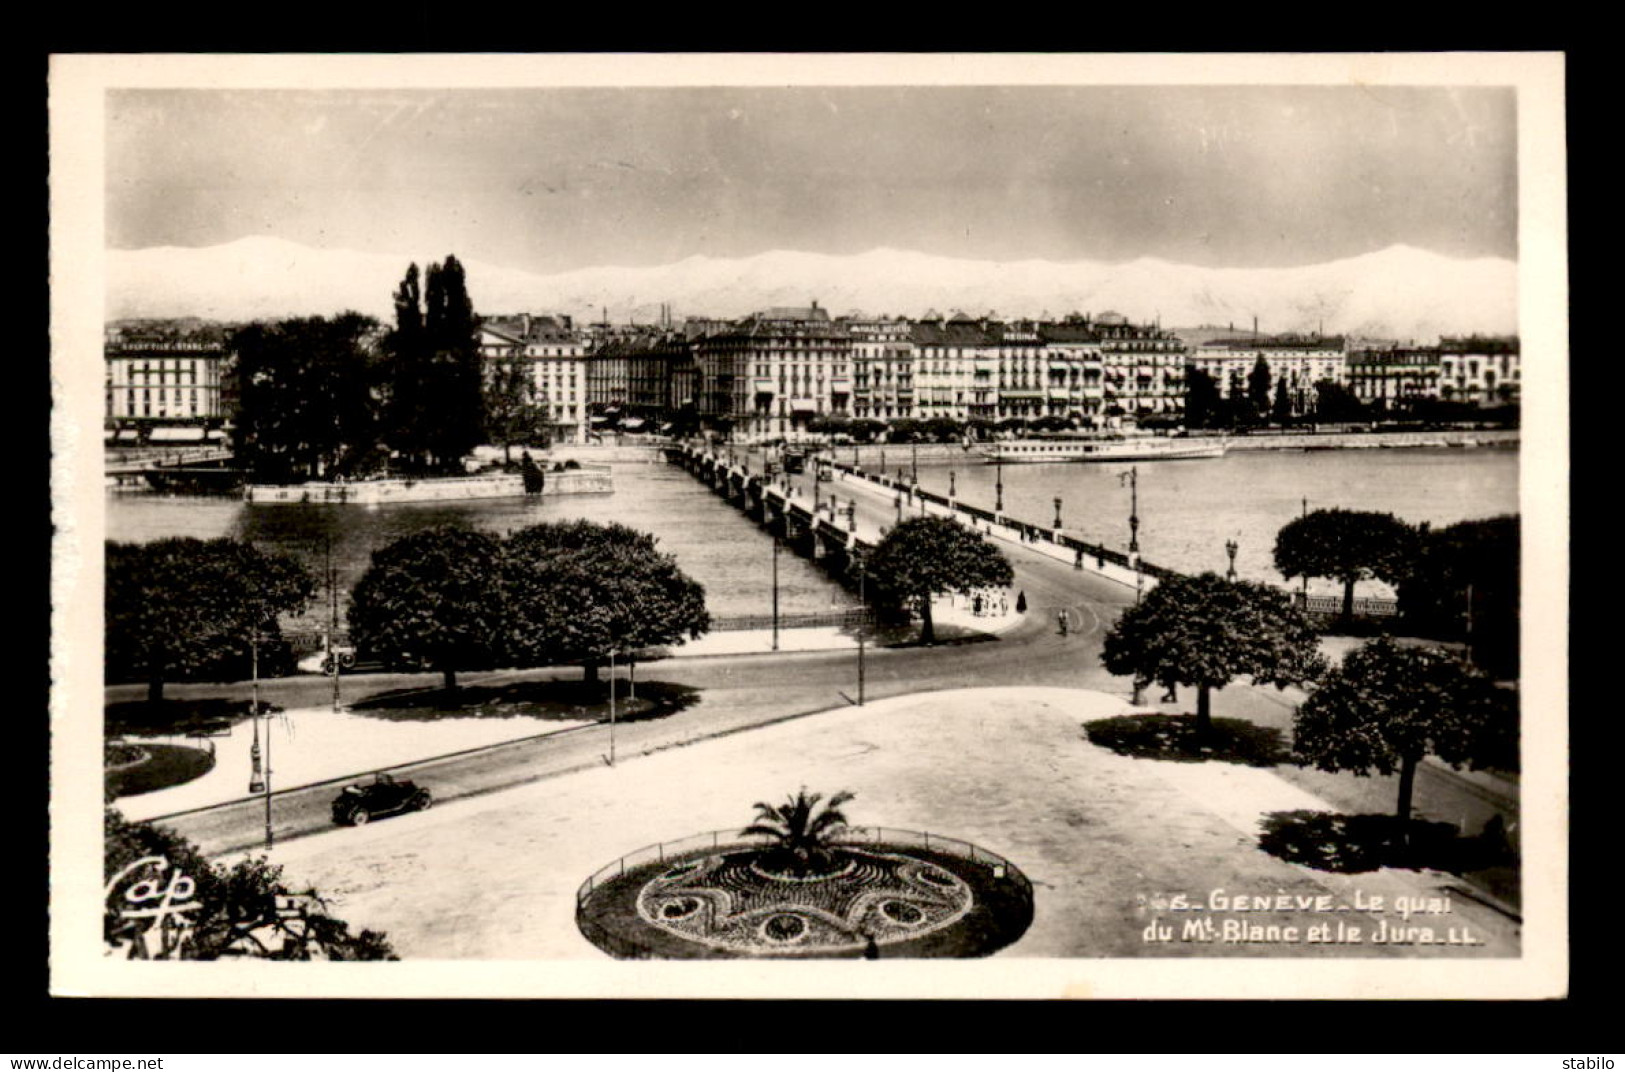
(1187, 510)
(714, 542)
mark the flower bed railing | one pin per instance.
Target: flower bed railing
(861, 836)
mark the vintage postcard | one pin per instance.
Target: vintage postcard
(1012, 526)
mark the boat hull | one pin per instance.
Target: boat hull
(1032, 453)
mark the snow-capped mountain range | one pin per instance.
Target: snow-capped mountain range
(1400, 292)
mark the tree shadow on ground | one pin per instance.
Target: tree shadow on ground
(1174, 737)
(140, 718)
(1327, 841)
(908, 636)
(562, 701)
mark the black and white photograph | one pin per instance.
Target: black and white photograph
(883, 526)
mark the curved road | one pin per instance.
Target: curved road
(736, 693)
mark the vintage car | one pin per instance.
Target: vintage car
(384, 795)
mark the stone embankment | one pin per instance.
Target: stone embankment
(882, 457)
(445, 489)
(1375, 440)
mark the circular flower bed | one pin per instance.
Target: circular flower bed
(907, 900)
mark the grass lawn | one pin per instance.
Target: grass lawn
(165, 765)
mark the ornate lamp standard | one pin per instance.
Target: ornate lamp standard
(776, 587)
(1057, 511)
(1230, 548)
(914, 464)
(998, 481)
(951, 488)
(256, 783)
(862, 567)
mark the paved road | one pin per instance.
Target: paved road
(735, 693)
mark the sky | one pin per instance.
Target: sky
(548, 180)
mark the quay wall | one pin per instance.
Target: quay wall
(440, 489)
(894, 456)
(1374, 440)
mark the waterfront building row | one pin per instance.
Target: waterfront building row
(773, 373)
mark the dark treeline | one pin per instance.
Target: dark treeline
(324, 398)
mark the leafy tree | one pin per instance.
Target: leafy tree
(511, 411)
(830, 424)
(436, 413)
(944, 430)
(1281, 411)
(177, 606)
(1464, 585)
(1206, 631)
(1258, 387)
(1335, 402)
(1204, 407)
(685, 423)
(907, 430)
(577, 591)
(1387, 707)
(802, 832)
(1348, 546)
(236, 910)
(305, 404)
(923, 557)
(431, 600)
(867, 429)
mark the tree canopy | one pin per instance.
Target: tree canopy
(551, 594)
(305, 402)
(246, 910)
(512, 414)
(1387, 707)
(1464, 585)
(430, 600)
(179, 606)
(1347, 546)
(923, 557)
(435, 412)
(1206, 631)
(1258, 387)
(1204, 406)
(1335, 402)
(577, 591)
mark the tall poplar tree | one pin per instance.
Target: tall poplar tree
(1258, 387)
(436, 413)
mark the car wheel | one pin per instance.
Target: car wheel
(359, 817)
(424, 800)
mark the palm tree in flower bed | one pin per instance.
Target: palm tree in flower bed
(803, 833)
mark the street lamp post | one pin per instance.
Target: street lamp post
(257, 783)
(1230, 548)
(333, 623)
(914, 464)
(998, 482)
(951, 487)
(1303, 583)
(776, 591)
(611, 707)
(863, 616)
(1134, 548)
(1057, 511)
